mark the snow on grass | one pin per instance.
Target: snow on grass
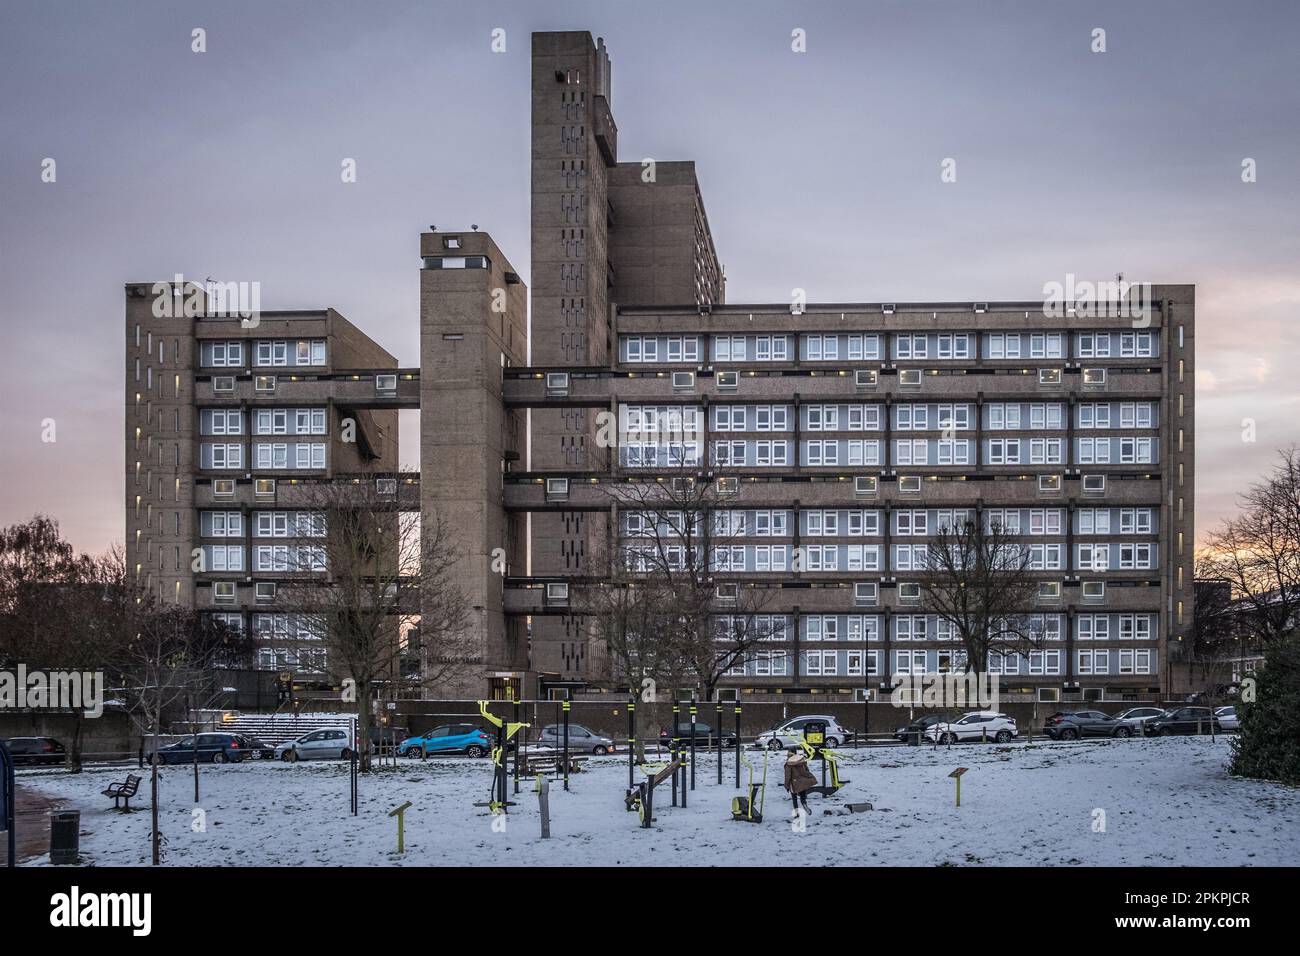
(1166, 802)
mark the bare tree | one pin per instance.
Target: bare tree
(167, 653)
(679, 544)
(362, 566)
(50, 602)
(979, 580)
(1258, 552)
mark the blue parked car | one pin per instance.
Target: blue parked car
(212, 748)
(448, 739)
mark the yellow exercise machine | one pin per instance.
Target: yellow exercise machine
(497, 801)
(749, 808)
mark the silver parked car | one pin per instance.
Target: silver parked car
(1228, 719)
(1137, 717)
(332, 743)
(581, 740)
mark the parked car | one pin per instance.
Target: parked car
(1088, 723)
(255, 749)
(1227, 717)
(1137, 717)
(32, 751)
(581, 739)
(384, 740)
(790, 733)
(977, 725)
(448, 739)
(705, 735)
(332, 743)
(911, 733)
(1184, 720)
(209, 748)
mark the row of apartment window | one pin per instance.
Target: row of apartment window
(304, 660)
(776, 453)
(264, 524)
(866, 522)
(266, 421)
(1126, 626)
(266, 353)
(274, 455)
(685, 421)
(869, 557)
(266, 557)
(851, 663)
(854, 346)
(272, 625)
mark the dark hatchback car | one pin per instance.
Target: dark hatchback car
(212, 748)
(914, 732)
(705, 736)
(32, 751)
(1086, 723)
(1184, 720)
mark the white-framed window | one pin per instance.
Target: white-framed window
(769, 453)
(1093, 662)
(1092, 627)
(864, 418)
(771, 418)
(729, 418)
(820, 418)
(771, 348)
(219, 455)
(1004, 451)
(221, 421)
(1004, 345)
(1045, 345)
(1134, 661)
(729, 348)
(1003, 416)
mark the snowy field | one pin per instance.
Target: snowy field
(1165, 802)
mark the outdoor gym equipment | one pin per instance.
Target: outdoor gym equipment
(749, 808)
(498, 801)
(641, 797)
(814, 745)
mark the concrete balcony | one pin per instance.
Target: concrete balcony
(599, 388)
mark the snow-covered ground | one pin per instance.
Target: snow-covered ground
(1162, 802)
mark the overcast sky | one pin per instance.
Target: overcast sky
(819, 170)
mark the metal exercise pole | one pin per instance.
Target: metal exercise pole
(737, 746)
(565, 708)
(717, 726)
(518, 744)
(631, 740)
(694, 710)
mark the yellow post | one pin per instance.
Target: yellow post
(400, 813)
(956, 775)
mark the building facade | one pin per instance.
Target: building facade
(229, 422)
(836, 439)
(842, 436)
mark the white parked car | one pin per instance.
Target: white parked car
(977, 725)
(1228, 719)
(790, 733)
(331, 743)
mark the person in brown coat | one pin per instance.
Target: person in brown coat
(798, 778)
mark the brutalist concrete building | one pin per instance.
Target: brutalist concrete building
(837, 437)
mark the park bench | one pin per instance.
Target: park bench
(123, 792)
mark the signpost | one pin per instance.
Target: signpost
(400, 813)
(956, 775)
